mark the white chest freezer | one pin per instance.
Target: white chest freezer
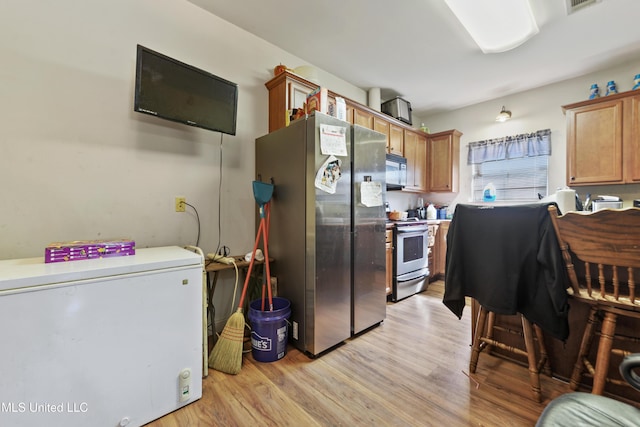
(101, 342)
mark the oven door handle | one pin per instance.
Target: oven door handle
(411, 278)
(412, 229)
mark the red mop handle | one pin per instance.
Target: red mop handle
(253, 258)
(265, 233)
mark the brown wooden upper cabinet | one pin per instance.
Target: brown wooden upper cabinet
(286, 92)
(432, 159)
(415, 151)
(382, 126)
(362, 118)
(396, 140)
(443, 152)
(603, 142)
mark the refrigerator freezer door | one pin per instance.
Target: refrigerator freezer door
(369, 297)
(330, 215)
(310, 232)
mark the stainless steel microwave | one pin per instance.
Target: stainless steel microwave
(396, 172)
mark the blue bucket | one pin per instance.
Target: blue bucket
(269, 331)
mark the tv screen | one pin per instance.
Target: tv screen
(176, 91)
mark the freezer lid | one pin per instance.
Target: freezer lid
(30, 272)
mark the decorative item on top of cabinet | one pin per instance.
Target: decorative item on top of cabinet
(444, 159)
(599, 131)
(415, 151)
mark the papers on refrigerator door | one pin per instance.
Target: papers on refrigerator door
(328, 175)
(371, 193)
(333, 140)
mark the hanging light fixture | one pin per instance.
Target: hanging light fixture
(496, 25)
(504, 115)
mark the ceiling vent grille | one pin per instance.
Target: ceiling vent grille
(576, 5)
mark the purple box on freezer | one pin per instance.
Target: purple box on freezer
(88, 249)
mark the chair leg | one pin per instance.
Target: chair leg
(531, 356)
(491, 322)
(604, 352)
(585, 345)
(543, 364)
(475, 349)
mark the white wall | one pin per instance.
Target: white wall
(76, 162)
(534, 110)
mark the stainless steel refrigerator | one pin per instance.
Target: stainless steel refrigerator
(327, 232)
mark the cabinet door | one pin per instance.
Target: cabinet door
(396, 140)
(297, 94)
(362, 118)
(389, 261)
(286, 91)
(415, 150)
(594, 144)
(382, 126)
(443, 153)
(632, 139)
(350, 110)
(441, 242)
(421, 163)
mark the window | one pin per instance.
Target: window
(519, 179)
(515, 166)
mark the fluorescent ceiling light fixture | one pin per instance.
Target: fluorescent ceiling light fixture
(496, 25)
(504, 115)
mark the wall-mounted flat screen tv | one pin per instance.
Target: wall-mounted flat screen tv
(173, 90)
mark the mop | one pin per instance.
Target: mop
(226, 355)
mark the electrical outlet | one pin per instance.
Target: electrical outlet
(180, 204)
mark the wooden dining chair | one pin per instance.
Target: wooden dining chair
(601, 253)
(506, 259)
(534, 348)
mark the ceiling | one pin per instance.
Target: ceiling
(418, 50)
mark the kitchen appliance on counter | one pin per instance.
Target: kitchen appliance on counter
(396, 172)
(330, 247)
(606, 204)
(411, 258)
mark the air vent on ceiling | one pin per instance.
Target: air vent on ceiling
(576, 5)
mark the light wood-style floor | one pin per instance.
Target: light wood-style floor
(412, 370)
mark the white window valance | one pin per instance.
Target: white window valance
(510, 147)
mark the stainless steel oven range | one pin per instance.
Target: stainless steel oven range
(411, 262)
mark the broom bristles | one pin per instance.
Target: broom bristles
(226, 355)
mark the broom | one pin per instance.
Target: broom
(226, 355)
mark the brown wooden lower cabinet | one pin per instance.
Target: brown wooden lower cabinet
(389, 258)
(438, 267)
